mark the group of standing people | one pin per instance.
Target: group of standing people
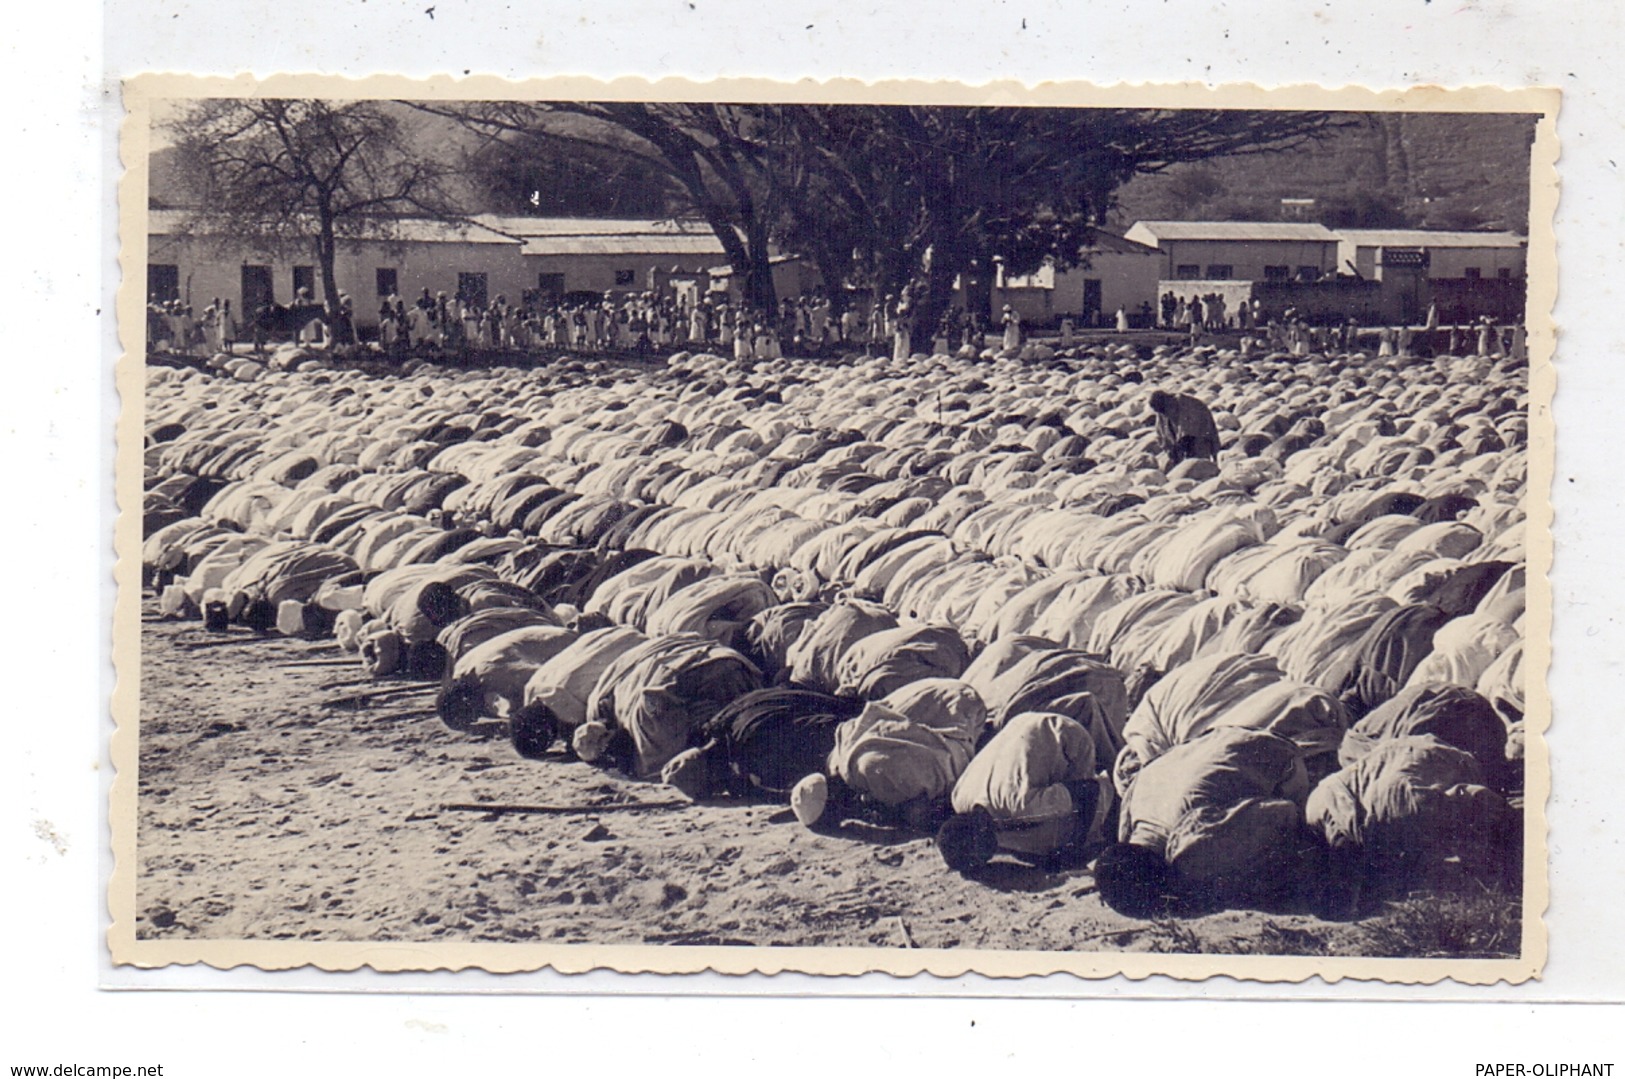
(641, 323)
(172, 326)
(806, 325)
(1209, 312)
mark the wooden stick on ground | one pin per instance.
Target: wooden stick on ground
(375, 695)
(192, 646)
(420, 712)
(499, 808)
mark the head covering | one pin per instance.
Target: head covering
(967, 841)
(591, 740)
(691, 773)
(1135, 881)
(809, 798)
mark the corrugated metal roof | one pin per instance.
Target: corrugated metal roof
(381, 230)
(606, 236)
(1118, 245)
(1428, 238)
(420, 230)
(1232, 230)
(630, 244)
(531, 227)
(727, 270)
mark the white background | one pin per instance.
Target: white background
(57, 415)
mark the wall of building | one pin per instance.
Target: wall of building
(207, 269)
(1126, 281)
(598, 273)
(1465, 300)
(1328, 302)
(1247, 258)
(1036, 306)
(1234, 294)
(1451, 262)
(791, 278)
(434, 267)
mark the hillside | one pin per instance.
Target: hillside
(1426, 170)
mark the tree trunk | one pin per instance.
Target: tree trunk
(834, 270)
(758, 286)
(733, 247)
(936, 294)
(326, 257)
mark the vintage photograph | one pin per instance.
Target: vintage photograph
(834, 529)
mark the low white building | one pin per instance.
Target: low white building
(393, 257)
(792, 276)
(1240, 250)
(1448, 254)
(564, 255)
(1112, 272)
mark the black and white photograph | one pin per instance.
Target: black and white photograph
(758, 528)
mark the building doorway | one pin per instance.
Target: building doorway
(163, 282)
(1091, 301)
(257, 290)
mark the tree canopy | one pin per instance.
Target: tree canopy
(904, 199)
(545, 175)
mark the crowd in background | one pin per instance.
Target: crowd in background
(441, 324)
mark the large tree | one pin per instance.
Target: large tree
(924, 196)
(549, 176)
(712, 153)
(281, 171)
(906, 199)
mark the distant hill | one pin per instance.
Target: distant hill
(169, 186)
(1419, 170)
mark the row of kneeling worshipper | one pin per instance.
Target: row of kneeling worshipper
(993, 600)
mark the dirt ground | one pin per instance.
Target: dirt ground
(283, 794)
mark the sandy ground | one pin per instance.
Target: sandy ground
(284, 794)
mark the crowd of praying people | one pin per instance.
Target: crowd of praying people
(1229, 630)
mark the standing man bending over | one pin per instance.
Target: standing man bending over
(1185, 427)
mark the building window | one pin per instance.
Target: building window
(304, 277)
(1277, 273)
(163, 282)
(550, 287)
(624, 278)
(472, 288)
(1308, 273)
(1188, 272)
(1221, 272)
(387, 280)
(1504, 273)
(1471, 273)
